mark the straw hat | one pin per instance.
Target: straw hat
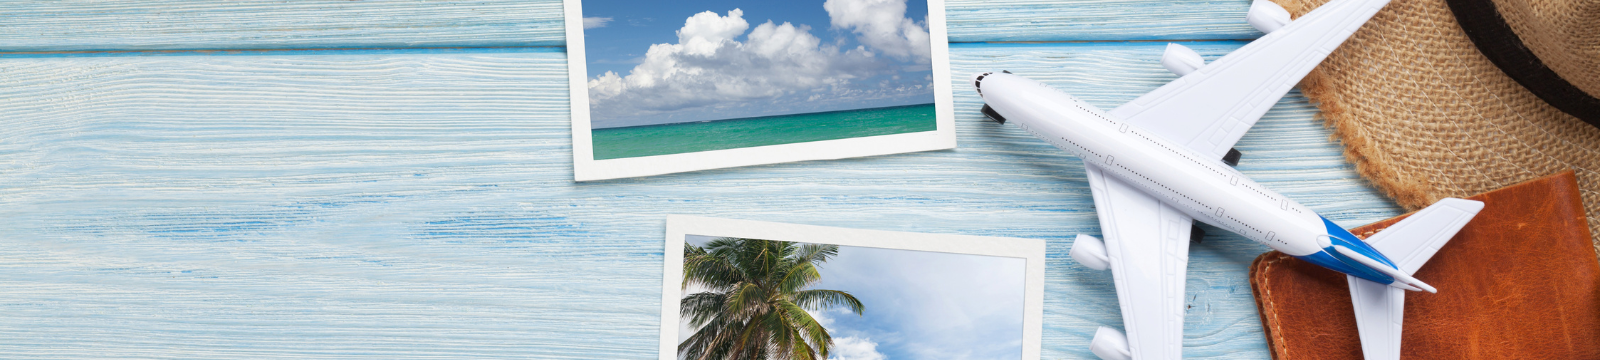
(1427, 110)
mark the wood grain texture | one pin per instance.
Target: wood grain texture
(1097, 20)
(419, 205)
(89, 25)
(77, 25)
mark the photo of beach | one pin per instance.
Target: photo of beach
(675, 77)
(748, 298)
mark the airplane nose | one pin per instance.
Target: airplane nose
(977, 81)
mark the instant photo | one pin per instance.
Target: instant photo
(754, 290)
(671, 86)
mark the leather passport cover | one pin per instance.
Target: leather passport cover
(1518, 282)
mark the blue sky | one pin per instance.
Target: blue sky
(814, 56)
(922, 305)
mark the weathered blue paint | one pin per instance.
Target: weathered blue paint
(417, 203)
(88, 25)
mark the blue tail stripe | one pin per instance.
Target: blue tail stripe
(1332, 259)
(1351, 241)
(1326, 259)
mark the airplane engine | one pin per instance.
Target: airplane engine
(1090, 252)
(1266, 16)
(1110, 344)
(1181, 59)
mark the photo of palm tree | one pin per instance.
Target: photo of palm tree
(756, 298)
(765, 299)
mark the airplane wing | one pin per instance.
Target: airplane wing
(1148, 244)
(1212, 107)
(1380, 309)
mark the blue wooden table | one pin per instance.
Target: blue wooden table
(392, 179)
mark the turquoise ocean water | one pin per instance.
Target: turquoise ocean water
(635, 141)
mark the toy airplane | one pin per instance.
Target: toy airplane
(1159, 162)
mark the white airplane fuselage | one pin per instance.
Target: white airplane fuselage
(1201, 187)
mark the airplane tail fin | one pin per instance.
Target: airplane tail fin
(1409, 243)
(1412, 241)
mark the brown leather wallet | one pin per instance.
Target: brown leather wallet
(1518, 282)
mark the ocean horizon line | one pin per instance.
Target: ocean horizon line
(764, 116)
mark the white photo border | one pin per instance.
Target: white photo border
(679, 226)
(585, 168)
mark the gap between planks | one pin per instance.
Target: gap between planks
(304, 51)
(480, 49)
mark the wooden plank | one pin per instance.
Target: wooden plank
(85, 25)
(1097, 20)
(410, 205)
(78, 25)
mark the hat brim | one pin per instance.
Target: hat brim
(1423, 115)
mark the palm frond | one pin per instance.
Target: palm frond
(817, 253)
(756, 305)
(797, 276)
(747, 298)
(806, 327)
(707, 270)
(711, 341)
(701, 308)
(818, 299)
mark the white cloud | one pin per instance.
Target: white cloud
(705, 33)
(854, 348)
(595, 22)
(822, 318)
(882, 25)
(709, 68)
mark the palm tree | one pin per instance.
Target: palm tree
(756, 299)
